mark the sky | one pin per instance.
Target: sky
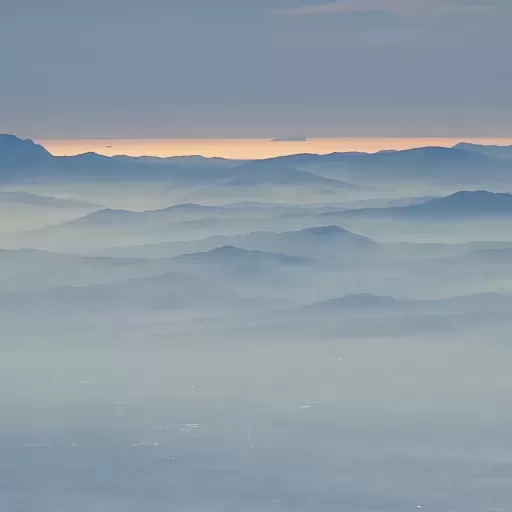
(255, 68)
(239, 148)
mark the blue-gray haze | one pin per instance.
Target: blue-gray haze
(302, 334)
(266, 68)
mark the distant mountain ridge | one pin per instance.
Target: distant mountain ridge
(230, 254)
(425, 154)
(310, 243)
(490, 301)
(463, 204)
(423, 165)
(109, 217)
(492, 151)
(24, 159)
(30, 199)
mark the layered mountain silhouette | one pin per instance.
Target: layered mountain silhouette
(19, 269)
(368, 303)
(492, 151)
(311, 243)
(229, 262)
(23, 159)
(319, 240)
(163, 292)
(115, 218)
(29, 199)
(386, 316)
(31, 269)
(422, 155)
(230, 255)
(461, 205)
(260, 172)
(425, 165)
(96, 283)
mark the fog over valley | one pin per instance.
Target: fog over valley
(302, 333)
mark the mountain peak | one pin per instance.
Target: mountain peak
(431, 155)
(226, 252)
(492, 150)
(465, 202)
(478, 194)
(327, 231)
(188, 207)
(232, 255)
(354, 301)
(229, 249)
(24, 152)
(332, 233)
(479, 199)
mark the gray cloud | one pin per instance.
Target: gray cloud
(347, 6)
(408, 7)
(198, 68)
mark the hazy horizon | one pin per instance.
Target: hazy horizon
(201, 335)
(243, 148)
(322, 332)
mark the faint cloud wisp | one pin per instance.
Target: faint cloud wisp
(400, 7)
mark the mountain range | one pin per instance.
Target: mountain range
(461, 205)
(19, 198)
(19, 267)
(208, 279)
(22, 160)
(492, 151)
(368, 315)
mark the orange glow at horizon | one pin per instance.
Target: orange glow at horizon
(247, 148)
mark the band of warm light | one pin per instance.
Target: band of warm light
(246, 148)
